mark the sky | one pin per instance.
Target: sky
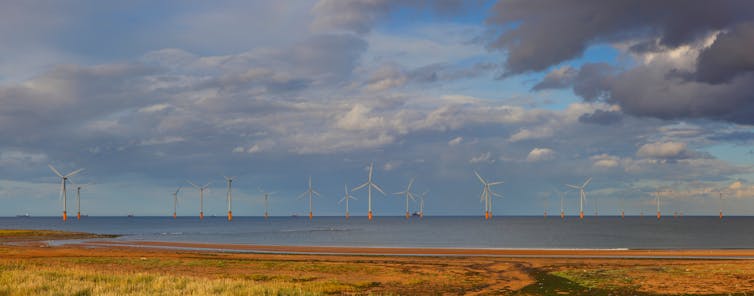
(645, 97)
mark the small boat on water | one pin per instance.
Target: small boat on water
(130, 215)
(27, 215)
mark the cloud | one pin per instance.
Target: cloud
(455, 141)
(485, 157)
(664, 150)
(689, 59)
(557, 78)
(531, 133)
(602, 117)
(360, 16)
(540, 154)
(605, 161)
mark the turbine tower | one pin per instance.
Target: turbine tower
(229, 197)
(369, 185)
(562, 210)
(309, 191)
(78, 198)
(657, 200)
(345, 198)
(175, 202)
(201, 197)
(487, 194)
(582, 196)
(409, 195)
(421, 204)
(266, 202)
(720, 193)
(63, 181)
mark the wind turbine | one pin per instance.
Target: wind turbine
(409, 195)
(63, 180)
(720, 193)
(657, 201)
(582, 196)
(345, 198)
(175, 202)
(369, 185)
(229, 197)
(562, 195)
(421, 204)
(201, 197)
(309, 191)
(78, 198)
(266, 202)
(487, 194)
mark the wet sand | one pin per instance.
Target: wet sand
(533, 253)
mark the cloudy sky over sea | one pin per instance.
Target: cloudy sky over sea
(643, 96)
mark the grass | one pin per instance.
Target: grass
(25, 279)
(7, 235)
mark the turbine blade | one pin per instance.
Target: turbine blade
(587, 182)
(378, 188)
(353, 197)
(192, 184)
(399, 193)
(303, 195)
(360, 186)
(573, 186)
(73, 173)
(480, 178)
(496, 194)
(409, 184)
(55, 171)
(315, 192)
(495, 183)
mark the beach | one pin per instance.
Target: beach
(30, 264)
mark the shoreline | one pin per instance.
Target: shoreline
(747, 254)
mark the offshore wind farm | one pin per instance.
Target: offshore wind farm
(377, 147)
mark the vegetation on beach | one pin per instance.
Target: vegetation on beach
(17, 235)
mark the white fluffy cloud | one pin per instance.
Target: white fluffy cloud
(663, 150)
(540, 154)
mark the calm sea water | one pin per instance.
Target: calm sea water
(438, 232)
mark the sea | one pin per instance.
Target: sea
(501, 232)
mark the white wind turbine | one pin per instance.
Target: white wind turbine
(63, 181)
(487, 194)
(421, 204)
(582, 196)
(175, 202)
(562, 195)
(229, 197)
(309, 191)
(409, 195)
(345, 198)
(369, 185)
(78, 197)
(266, 202)
(201, 197)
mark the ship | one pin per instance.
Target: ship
(27, 215)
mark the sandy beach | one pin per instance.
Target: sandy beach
(105, 266)
(535, 253)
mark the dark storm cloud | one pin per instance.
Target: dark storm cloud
(717, 84)
(538, 34)
(601, 117)
(731, 55)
